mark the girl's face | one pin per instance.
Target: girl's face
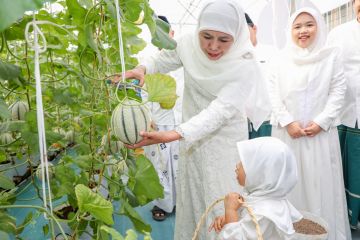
(215, 44)
(240, 174)
(304, 30)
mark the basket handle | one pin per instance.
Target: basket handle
(248, 208)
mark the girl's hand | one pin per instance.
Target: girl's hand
(294, 130)
(312, 129)
(150, 138)
(217, 224)
(136, 73)
(232, 202)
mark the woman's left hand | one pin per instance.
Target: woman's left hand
(150, 138)
(312, 129)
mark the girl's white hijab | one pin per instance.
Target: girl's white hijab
(235, 78)
(271, 173)
(317, 50)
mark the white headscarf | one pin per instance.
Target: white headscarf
(235, 78)
(317, 50)
(271, 173)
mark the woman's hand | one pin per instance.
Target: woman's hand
(217, 224)
(294, 130)
(312, 129)
(136, 73)
(150, 138)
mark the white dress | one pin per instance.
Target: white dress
(313, 92)
(245, 230)
(208, 151)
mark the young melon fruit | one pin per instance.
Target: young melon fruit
(128, 120)
(18, 110)
(51, 171)
(6, 138)
(111, 147)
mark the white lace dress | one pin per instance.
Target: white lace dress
(208, 156)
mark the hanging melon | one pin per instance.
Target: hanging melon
(18, 110)
(128, 120)
(70, 136)
(111, 147)
(6, 138)
(39, 173)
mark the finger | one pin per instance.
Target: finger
(130, 146)
(211, 227)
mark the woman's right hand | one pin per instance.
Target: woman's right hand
(136, 73)
(232, 202)
(295, 131)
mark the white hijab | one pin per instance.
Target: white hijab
(271, 173)
(235, 78)
(317, 50)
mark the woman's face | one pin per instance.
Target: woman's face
(215, 44)
(240, 174)
(304, 30)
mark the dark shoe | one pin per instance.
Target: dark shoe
(158, 214)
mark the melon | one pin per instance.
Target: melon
(70, 136)
(111, 147)
(128, 120)
(51, 171)
(18, 110)
(6, 138)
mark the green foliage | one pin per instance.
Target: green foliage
(93, 203)
(162, 89)
(7, 223)
(11, 11)
(5, 182)
(144, 181)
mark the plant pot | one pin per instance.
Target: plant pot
(316, 219)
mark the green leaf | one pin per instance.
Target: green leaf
(91, 42)
(144, 181)
(162, 89)
(6, 183)
(45, 229)
(4, 112)
(11, 72)
(11, 11)
(26, 221)
(76, 11)
(4, 236)
(115, 235)
(93, 203)
(160, 37)
(131, 235)
(135, 218)
(7, 223)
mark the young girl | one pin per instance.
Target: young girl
(267, 172)
(307, 90)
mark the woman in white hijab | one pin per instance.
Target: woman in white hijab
(307, 88)
(221, 85)
(267, 172)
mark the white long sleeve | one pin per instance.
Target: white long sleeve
(245, 230)
(207, 121)
(163, 62)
